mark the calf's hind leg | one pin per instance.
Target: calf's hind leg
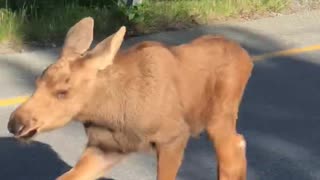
(228, 144)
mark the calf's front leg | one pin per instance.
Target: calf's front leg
(92, 164)
(170, 156)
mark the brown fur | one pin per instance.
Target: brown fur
(151, 96)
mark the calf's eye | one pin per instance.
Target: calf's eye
(61, 94)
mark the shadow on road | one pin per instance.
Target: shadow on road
(21, 161)
(30, 161)
(279, 117)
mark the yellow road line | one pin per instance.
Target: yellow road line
(289, 52)
(13, 101)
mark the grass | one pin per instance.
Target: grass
(51, 28)
(28, 24)
(11, 25)
(177, 12)
(54, 27)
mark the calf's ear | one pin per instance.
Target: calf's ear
(103, 54)
(78, 39)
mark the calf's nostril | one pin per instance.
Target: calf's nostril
(15, 127)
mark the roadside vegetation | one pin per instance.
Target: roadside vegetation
(47, 21)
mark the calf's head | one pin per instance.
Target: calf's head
(65, 86)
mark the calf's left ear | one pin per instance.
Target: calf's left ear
(103, 54)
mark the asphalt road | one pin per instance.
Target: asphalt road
(279, 115)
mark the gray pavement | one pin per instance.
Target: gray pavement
(279, 115)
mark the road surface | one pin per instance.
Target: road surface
(279, 115)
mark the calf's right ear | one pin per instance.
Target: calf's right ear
(78, 39)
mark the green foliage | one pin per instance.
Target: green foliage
(11, 25)
(129, 15)
(165, 13)
(48, 20)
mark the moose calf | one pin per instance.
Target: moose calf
(148, 97)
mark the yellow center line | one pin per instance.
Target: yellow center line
(13, 101)
(289, 52)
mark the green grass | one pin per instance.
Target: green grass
(50, 26)
(54, 26)
(42, 25)
(176, 12)
(11, 25)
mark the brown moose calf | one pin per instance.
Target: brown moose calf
(150, 96)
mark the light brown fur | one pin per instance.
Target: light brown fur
(150, 96)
